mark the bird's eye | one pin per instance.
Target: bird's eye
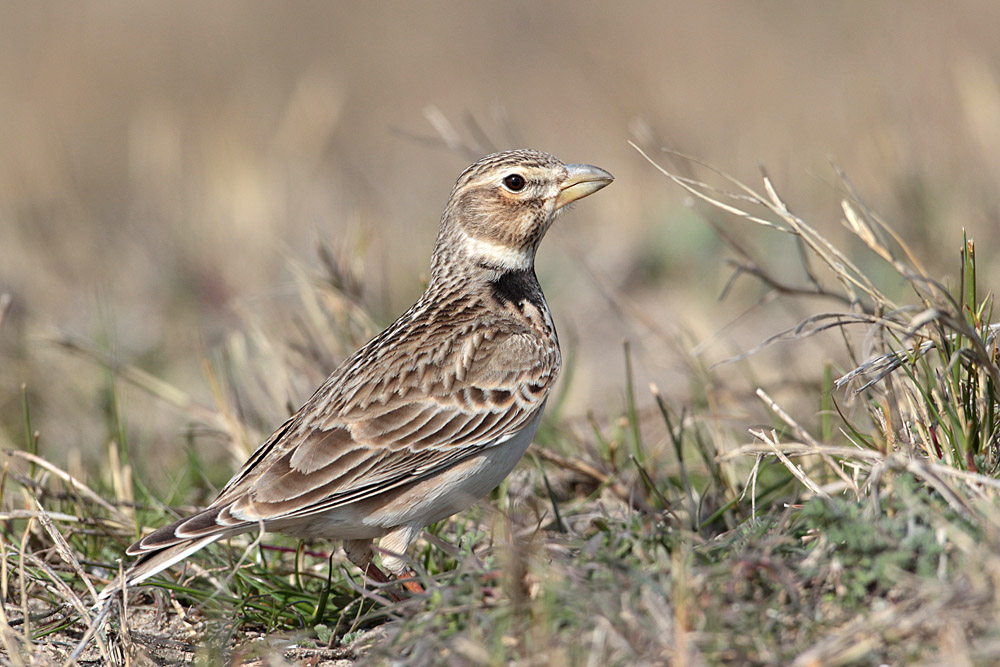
(514, 182)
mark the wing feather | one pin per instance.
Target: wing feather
(419, 413)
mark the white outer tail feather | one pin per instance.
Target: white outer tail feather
(170, 556)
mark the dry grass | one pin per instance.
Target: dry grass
(872, 541)
(204, 208)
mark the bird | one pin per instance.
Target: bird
(432, 413)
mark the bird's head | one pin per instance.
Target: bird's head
(502, 206)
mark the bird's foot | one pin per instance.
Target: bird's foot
(388, 585)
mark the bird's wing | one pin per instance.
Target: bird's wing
(421, 412)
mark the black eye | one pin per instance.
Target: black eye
(514, 182)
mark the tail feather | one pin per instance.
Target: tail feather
(154, 562)
(183, 531)
(171, 544)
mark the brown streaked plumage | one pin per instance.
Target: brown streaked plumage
(432, 413)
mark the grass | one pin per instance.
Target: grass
(856, 525)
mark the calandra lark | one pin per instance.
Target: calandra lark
(432, 413)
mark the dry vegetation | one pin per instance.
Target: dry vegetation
(203, 209)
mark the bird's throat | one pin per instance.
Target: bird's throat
(500, 256)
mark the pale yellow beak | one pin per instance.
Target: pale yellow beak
(582, 180)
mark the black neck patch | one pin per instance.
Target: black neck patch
(516, 287)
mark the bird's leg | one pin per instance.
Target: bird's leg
(393, 547)
(407, 579)
(373, 572)
(404, 575)
(412, 585)
(360, 553)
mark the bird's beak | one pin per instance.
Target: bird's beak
(581, 180)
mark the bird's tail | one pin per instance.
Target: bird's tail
(169, 545)
(155, 561)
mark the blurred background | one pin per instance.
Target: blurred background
(168, 172)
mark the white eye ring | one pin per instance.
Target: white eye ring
(514, 182)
